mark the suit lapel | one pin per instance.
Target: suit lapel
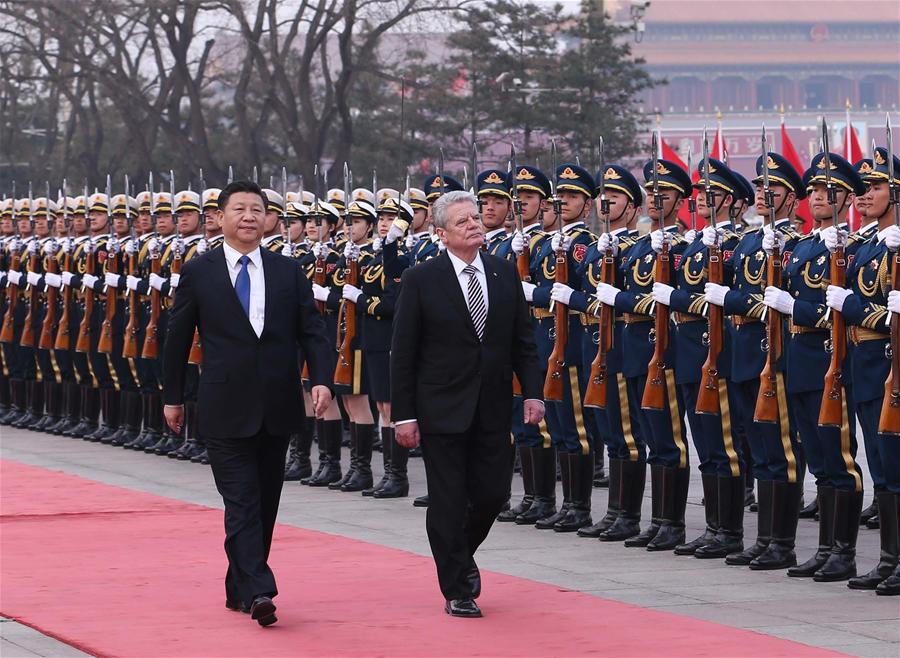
(454, 292)
(222, 281)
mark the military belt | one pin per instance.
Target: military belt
(634, 318)
(684, 318)
(861, 335)
(797, 329)
(544, 314)
(739, 320)
(588, 319)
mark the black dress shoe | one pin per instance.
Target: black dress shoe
(421, 501)
(263, 611)
(462, 608)
(237, 606)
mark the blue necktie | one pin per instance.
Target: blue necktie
(242, 284)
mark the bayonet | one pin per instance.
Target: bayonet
(657, 197)
(284, 213)
(230, 175)
(441, 168)
(255, 175)
(768, 194)
(557, 203)
(892, 184)
(604, 202)
(707, 186)
(829, 184)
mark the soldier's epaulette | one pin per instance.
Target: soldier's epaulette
(582, 230)
(857, 237)
(792, 233)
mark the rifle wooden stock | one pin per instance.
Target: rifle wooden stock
(831, 413)
(889, 422)
(708, 396)
(27, 338)
(556, 364)
(195, 357)
(343, 371)
(63, 340)
(319, 273)
(105, 344)
(83, 343)
(7, 333)
(595, 396)
(130, 346)
(45, 342)
(766, 410)
(151, 337)
(523, 261)
(654, 396)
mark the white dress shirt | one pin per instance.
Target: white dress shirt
(459, 265)
(257, 283)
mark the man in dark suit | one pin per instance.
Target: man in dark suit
(253, 308)
(460, 332)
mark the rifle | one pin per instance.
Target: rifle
(654, 396)
(691, 201)
(151, 339)
(831, 413)
(556, 364)
(889, 422)
(343, 371)
(63, 339)
(767, 400)
(34, 259)
(83, 342)
(7, 332)
(595, 396)
(130, 346)
(195, 356)
(319, 269)
(523, 260)
(708, 396)
(45, 342)
(105, 344)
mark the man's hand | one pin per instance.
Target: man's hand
(534, 412)
(407, 434)
(321, 398)
(174, 414)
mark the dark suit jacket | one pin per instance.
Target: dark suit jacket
(247, 383)
(441, 374)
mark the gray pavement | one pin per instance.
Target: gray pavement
(827, 615)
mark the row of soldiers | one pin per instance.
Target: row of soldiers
(644, 335)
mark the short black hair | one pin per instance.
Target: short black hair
(241, 186)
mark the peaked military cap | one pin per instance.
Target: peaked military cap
(574, 178)
(432, 186)
(842, 173)
(670, 176)
(781, 172)
(616, 177)
(532, 179)
(880, 172)
(493, 181)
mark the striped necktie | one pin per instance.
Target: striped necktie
(476, 301)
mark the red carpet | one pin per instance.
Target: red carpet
(116, 572)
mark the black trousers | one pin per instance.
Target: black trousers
(249, 473)
(468, 482)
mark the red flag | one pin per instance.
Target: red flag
(790, 154)
(852, 153)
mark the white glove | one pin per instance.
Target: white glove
(690, 235)
(89, 246)
(89, 281)
(893, 301)
(153, 245)
(320, 251)
(561, 293)
(715, 293)
(14, 277)
(771, 239)
(607, 294)
(712, 236)
(779, 300)
(112, 246)
(33, 278)
(835, 296)
(66, 278)
(53, 280)
(33, 247)
(156, 281)
(528, 291)
(173, 280)
(178, 246)
(286, 250)
(351, 251)
(131, 247)
(202, 246)
(833, 237)
(892, 237)
(662, 293)
(560, 241)
(395, 232)
(351, 293)
(69, 245)
(607, 241)
(51, 246)
(320, 292)
(410, 241)
(377, 244)
(658, 238)
(517, 244)
(131, 282)
(112, 280)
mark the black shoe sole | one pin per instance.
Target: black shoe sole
(264, 613)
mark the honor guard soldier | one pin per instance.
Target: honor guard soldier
(7, 239)
(565, 416)
(494, 203)
(213, 232)
(335, 197)
(661, 425)
(273, 239)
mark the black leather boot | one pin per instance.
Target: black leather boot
(890, 586)
(190, 447)
(631, 497)
(17, 406)
(890, 544)
(147, 414)
(299, 466)
(116, 416)
(320, 442)
(333, 432)
(731, 493)
(581, 468)
(613, 504)
(565, 470)
(90, 412)
(5, 399)
(362, 475)
(676, 482)
(386, 440)
(841, 563)
(779, 554)
(656, 509)
(825, 502)
(153, 423)
(544, 505)
(72, 406)
(601, 479)
(133, 414)
(526, 462)
(711, 509)
(53, 406)
(397, 485)
(109, 422)
(870, 512)
(34, 403)
(764, 490)
(353, 445)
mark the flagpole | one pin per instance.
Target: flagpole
(721, 137)
(847, 151)
(781, 112)
(658, 135)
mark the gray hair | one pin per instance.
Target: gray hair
(442, 205)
